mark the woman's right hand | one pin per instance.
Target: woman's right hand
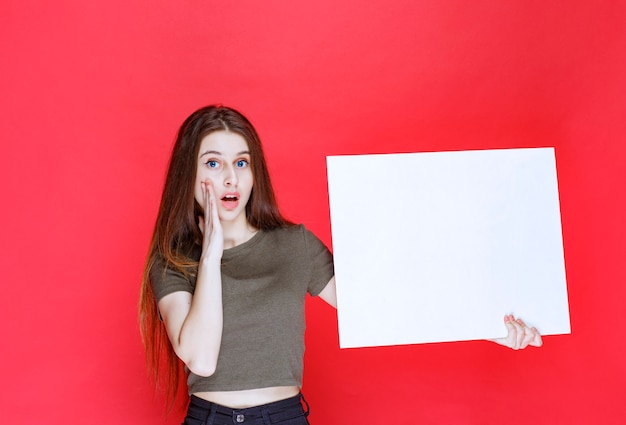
(210, 226)
(195, 322)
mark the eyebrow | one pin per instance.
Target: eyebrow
(221, 154)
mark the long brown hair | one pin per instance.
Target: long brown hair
(176, 230)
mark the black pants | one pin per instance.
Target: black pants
(284, 412)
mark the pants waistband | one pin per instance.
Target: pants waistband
(274, 412)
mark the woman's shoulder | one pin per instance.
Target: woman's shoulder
(289, 230)
(293, 227)
(286, 234)
(296, 235)
(184, 263)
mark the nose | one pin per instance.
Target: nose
(230, 177)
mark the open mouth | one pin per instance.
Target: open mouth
(230, 200)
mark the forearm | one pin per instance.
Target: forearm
(201, 332)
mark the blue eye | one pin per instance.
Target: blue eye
(212, 164)
(242, 163)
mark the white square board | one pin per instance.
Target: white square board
(434, 247)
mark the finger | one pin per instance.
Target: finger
(511, 336)
(203, 223)
(213, 202)
(521, 333)
(537, 341)
(508, 340)
(212, 209)
(531, 335)
(201, 218)
(528, 336)
(206, 192)
(518, 335)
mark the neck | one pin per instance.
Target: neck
(236, 233)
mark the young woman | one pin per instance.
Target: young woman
(226, 278)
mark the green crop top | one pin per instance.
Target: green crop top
(264, 284)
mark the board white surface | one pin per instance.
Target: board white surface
(435, 247)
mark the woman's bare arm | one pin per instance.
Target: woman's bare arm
(194, 323)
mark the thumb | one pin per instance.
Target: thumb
(510, 336)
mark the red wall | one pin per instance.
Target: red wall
(93, 92)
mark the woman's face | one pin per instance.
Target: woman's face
(224, 161)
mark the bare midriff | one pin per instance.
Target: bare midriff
(248, 398)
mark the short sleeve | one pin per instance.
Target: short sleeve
(321, 260)
(166, 281)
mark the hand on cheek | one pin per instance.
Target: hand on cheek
(209, 224)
